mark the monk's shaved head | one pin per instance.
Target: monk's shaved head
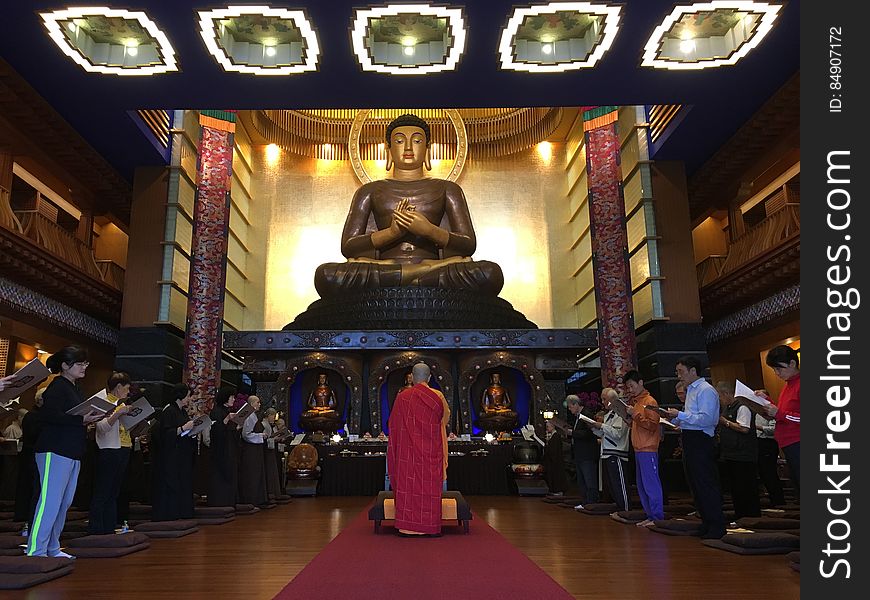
(421, 373)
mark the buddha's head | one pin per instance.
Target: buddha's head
(321, 379)
(408, 138)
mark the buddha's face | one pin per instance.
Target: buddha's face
(408, 147)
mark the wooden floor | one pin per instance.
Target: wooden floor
(255, 556)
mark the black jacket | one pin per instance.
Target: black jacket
(61, 433)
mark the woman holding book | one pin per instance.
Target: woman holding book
(59, 450)
(173, 498)
(224, 463)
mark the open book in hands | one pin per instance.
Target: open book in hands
(22, 380)
(96, 403)
(240, 415)
(200, 424)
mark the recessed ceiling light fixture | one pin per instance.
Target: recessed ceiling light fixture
(569, 54)
(267, 56)
(69, 29)
(748, 23)
(444, 60)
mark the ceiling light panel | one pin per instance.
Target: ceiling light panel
(260, 40)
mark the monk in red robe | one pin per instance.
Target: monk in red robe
(417, 455)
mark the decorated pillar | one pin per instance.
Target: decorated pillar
(208, 256)
(616, 340)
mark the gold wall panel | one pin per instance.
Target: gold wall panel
(308, 200)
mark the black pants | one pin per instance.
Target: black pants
(615, 469)
(768, 454)
(701, 467)
(111, 465)
(744, 488)
(793, 458)
(587, 478)
(27, 488)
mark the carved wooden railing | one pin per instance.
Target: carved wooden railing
(113, 273)
(779, 227)
(60, 242)
(7, 217)
(710, 268)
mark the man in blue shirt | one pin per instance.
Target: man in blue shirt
(698, 421)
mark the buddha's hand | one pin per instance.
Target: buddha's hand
(397, 227)
(420, 226)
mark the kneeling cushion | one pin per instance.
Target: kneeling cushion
(598, 508)
(768, 523)
(246, 509)
(179, 525)
(214, 511)
(109, 552)
(677, 527)
(629, 516)
(19, 572)
(120, 540)
(172, 534)
(11, 545)
(215, 520)
(10, 527)
(756, 543)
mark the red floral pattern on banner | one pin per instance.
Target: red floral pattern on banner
(616, 340)
(208, 265)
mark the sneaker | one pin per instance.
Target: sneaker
(578, 507)
(123, 529)
(62, 554)
(25, 532)
(558, 494)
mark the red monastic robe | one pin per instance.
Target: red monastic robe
(415, 458)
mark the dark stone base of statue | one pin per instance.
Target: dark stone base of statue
(500, 421)
(411, 308)
(325, 422)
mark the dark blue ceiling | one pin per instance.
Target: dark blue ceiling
(96, 105)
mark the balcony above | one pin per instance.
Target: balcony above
(761, 262)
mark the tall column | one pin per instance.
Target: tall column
(616, 341)
(208, 260)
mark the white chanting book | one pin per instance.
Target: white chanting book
(23, 379)
(139, 411)
(98, 402)
(742, 391)
(201, 423)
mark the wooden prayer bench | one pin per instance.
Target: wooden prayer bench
(453, 508)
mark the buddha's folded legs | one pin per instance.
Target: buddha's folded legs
(332, 279)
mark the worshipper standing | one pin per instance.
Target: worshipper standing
(223, 486)
(113, 453)
(613, 432)
(698, 421)
(59, 450)
(273, 483)
(252, 469)
(417, 455)
(768, 455)
(738, 449)
(173, 493)
(13, 430)
(785, 363)
(646, 435)
(554, 471)
(584, 446)
(27, 488)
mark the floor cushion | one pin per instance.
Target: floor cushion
(677, 527)
(177, 525)
(109, 552)
(214, 511)
(598, 508)
(454, 507)
(246, 509)
(177, 533)
(768, 523)
(756, 543)
(112, 540)
(628, 516)
(11, 545)
(19, 572)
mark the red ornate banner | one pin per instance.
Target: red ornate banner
(208, 261)
(616, 339)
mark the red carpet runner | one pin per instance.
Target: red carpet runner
(482, 564)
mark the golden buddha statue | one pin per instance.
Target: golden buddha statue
(495, 404)
(409, 230)
(409, 381)
(321, 414)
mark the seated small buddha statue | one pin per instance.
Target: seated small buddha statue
(321, 414)
(496, 413)
(410, 230)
